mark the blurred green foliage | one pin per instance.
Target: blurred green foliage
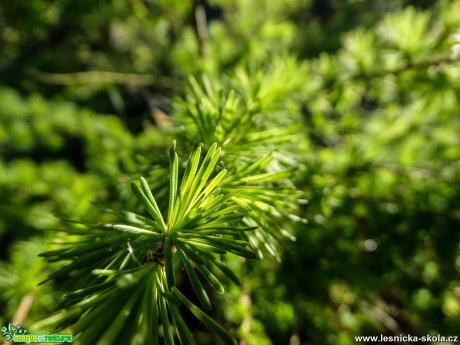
(91, 95)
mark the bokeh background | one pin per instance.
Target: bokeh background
(89, 87)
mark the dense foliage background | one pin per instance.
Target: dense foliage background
(91, 95)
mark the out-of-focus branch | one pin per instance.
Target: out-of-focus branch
(23, 309)
(94, 77)
(201, 26)
(245, 299)
(21, 313)
(408, 66)
(294, 340)
(411, 65)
